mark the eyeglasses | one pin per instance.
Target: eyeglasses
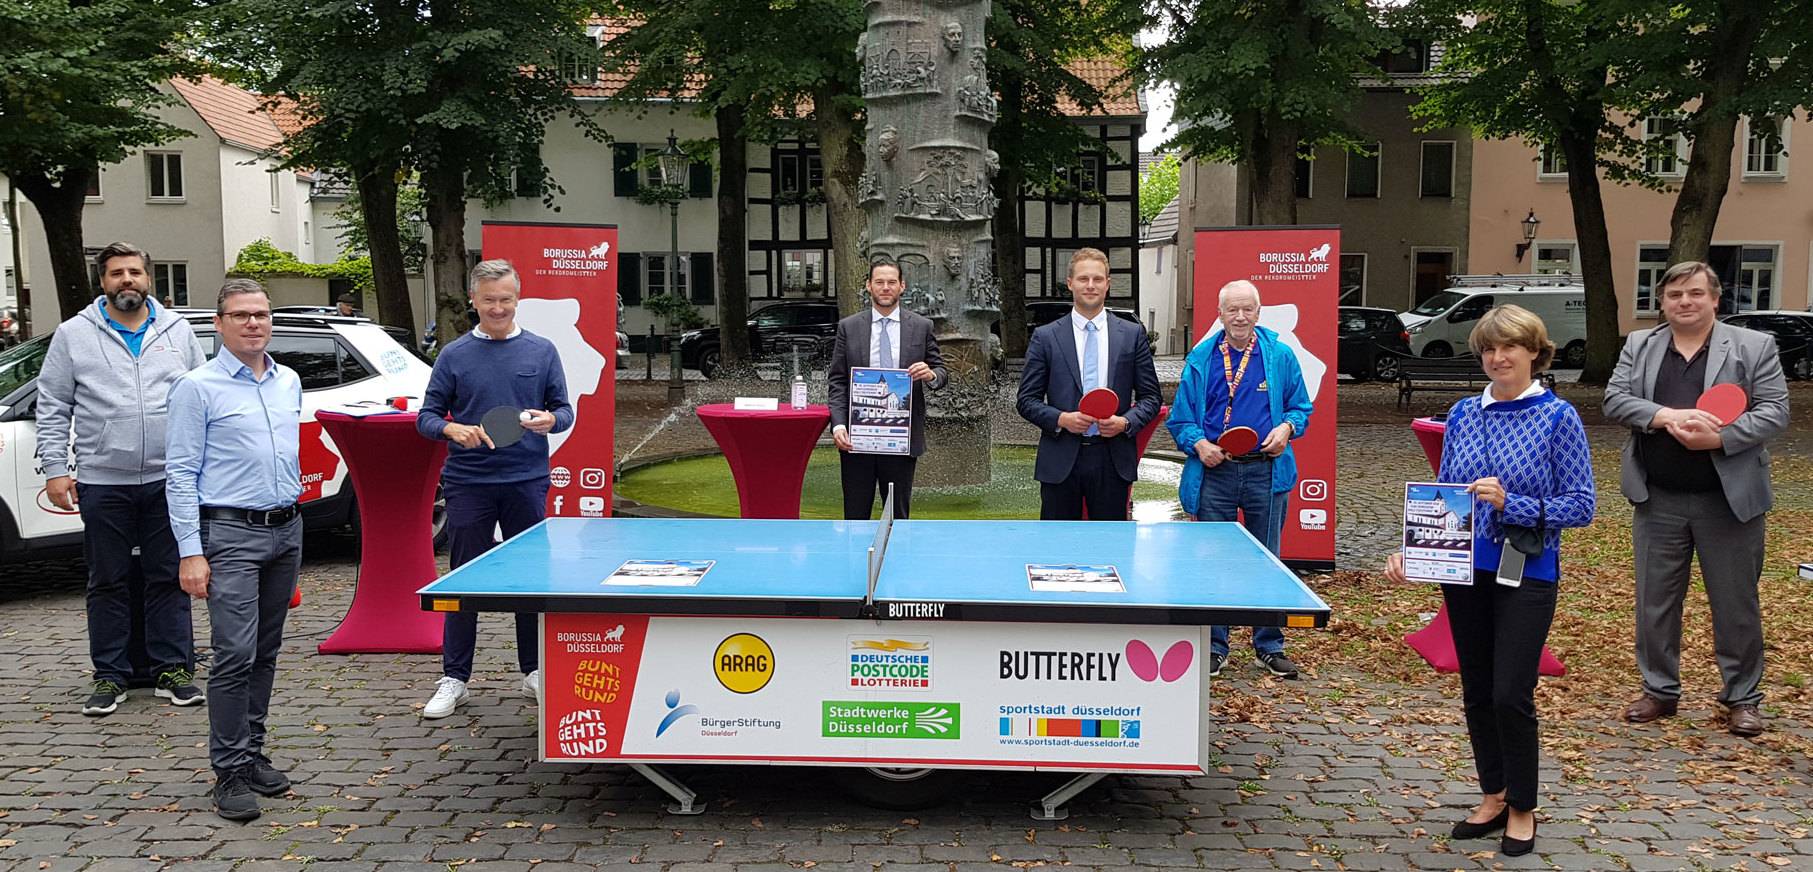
(244, 318)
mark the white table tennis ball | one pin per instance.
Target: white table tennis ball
(526, 416)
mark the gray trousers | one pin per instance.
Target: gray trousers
(254, 572)
(1668, 530)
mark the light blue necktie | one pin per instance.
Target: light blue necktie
(1092, 372)
(887, 345)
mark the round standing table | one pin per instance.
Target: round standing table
(394, 472)
(1436, 641)
(767, 452)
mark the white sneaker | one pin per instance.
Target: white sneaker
(531, 684)
(449, 692)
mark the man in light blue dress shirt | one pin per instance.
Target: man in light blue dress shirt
(234, 475)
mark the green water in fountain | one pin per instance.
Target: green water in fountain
(703, 485)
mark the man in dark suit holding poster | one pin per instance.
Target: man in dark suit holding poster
(1085, 462)
(884, 336)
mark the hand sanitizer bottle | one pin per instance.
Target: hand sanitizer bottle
(799, 383)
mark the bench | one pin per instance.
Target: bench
(1461, 373)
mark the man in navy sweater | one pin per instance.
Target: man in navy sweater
(497, 364)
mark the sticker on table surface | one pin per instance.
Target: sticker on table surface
(1438, 533)
(1074, 578)
(660, 573)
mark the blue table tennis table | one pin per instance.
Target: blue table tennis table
(1041, 645)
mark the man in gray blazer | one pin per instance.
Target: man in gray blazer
(1699, 485)
(888, 337)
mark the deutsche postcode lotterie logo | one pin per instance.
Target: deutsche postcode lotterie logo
(891, 720)
(743, 663)
(891, 664)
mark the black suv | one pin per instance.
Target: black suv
(1371, 344)
(1793, 332)
(775, 330)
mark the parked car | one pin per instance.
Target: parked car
(775, 330)
(339, 360)
(1439, 327)
(1793, 332)
(1372, 342)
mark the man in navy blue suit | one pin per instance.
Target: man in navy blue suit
(1085, 462)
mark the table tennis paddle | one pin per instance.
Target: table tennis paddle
(1238, 440)
(504, 425)
(1100, 404)
(1724, 402)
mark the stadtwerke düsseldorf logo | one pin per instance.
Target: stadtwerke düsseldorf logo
(891, 720)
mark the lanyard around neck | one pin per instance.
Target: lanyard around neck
(1234, 377)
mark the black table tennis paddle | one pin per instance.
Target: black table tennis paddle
(504, 425)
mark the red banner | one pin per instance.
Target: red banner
(588, 670)
(569, 296)
(1297, 270)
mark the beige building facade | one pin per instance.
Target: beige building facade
(1762, 245)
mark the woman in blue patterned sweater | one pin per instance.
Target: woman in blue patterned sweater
(1524, 452)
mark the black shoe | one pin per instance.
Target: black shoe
(233, 798)
(105, 700)
(1216, 661)
(1518, 847)
(266, 780)
(178, 686)
(1471, 830)
(1279, 665)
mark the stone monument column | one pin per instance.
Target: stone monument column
(927, 195)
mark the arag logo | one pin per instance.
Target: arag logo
(743, 663)
(891, 664)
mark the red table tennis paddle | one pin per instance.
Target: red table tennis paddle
(1100, 404)
(504, 425)
(1238, 440)
(1724, 402)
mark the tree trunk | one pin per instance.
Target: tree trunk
(1714, 133)
(1274, 174)
(446, 205)
(378, 206)
(1007, 228)
(1602, 345)
(841, 152)
(1010, 260)
(59, 203)
(733, 234)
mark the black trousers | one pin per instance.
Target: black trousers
(1499, 632)
(1093, 483)
(115, 520)
(866, 478)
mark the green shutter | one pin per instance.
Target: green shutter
(704, 279)
(623, 168)
(629, 279)
(699, 179)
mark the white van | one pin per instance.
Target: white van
(1439, 327)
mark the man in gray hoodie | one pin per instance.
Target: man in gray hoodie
(107, 377)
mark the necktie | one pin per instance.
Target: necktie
(887, 345)
(1092, 373)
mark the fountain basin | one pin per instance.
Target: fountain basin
(702, 485)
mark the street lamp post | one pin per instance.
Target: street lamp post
(1530, 223)
(673, 163)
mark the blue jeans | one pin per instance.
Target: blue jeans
(474, 513)
(1245, 488)
(115, 520)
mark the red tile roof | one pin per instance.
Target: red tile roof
(234, 114)
(1120, 99)
(287, 114)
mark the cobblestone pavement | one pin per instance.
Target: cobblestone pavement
(1349, 774)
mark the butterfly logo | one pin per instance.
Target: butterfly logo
(1149, 667)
